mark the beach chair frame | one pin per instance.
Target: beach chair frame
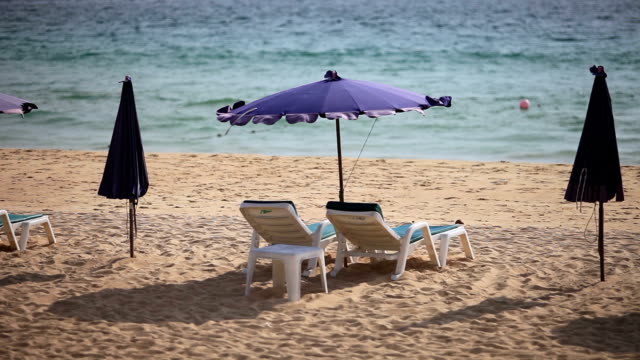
(9, 226)
(278, 222)
(368, 235)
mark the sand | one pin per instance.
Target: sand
(533, 291)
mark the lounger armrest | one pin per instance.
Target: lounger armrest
(460, 230)
(415, 227)
(4, 216)
(317, 235)
(427, 239)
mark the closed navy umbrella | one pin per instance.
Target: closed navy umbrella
(125, 173)
(333, 98)
(13, 105)
(596, 175)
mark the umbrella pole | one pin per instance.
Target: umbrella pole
(601, 240)
(341, 194)
(131, 215)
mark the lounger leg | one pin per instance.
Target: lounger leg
(24, 236)
(313, 263)
(401, 264)
(311, 267)
(293, 279)
(251, 266)
(399, 269)
(350, 259)
(49, 230)
(323, 273)
(278, 270)
(444, 249)
(431, 248)
(466, 245)
(340, 255)
(13, 242)
(255, 243)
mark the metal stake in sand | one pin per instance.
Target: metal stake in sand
(132, 226)
(601, 240)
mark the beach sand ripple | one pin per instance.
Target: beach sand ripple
(532, 293)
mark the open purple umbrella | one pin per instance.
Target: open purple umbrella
(13, 105)
(333, 98)
(125, 173)
(596, 175)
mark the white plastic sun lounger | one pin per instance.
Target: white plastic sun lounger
(10, 222)
(361, 226)
(278, 222)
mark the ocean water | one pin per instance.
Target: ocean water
(188, 58)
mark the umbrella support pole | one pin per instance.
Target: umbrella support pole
(341, 193)
(132, 213)
(601, 240)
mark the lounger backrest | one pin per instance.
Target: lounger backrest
(276, 222)
(363, 225)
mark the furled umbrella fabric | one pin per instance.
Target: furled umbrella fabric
(125, 173)
(13, 105)
(333, 98)
(596, 175)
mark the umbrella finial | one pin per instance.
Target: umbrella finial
(332, 75)
(598, 70)
(127, 78)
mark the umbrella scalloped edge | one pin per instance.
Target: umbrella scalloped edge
(227, 114)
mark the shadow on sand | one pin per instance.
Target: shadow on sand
(214, 299)
(489, 306)
(29, 277)
(194, 302)
(613, 334)
(493, 306)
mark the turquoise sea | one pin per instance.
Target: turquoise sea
(188, 58)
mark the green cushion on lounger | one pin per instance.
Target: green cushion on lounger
(347, 206)
(417, 235)
(13, 218)
(273, 202)
(328, 230)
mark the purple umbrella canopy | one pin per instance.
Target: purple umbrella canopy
(333, 98)
(13, 105)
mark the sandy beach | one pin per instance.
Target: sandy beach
(533, 291)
